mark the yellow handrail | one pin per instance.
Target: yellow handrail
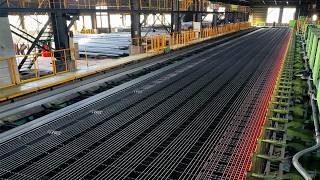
(157, 43)
(38, 63)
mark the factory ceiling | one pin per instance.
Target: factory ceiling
(268, 2)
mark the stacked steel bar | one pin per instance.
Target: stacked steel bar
(186, 122)
(112, 44)
(252, 116)
(269, 155)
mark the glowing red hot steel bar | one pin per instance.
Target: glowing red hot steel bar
(240, 162)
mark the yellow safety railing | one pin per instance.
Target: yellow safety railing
(7, 72)
(31, 68)
(157, 43)
(37, 66)
(61, 61)
(182, 38)
(156, 4)
(220, 30)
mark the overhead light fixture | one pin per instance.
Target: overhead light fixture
(287, 2)
(314, 17)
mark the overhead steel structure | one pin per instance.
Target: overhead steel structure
(196, 118)
(62, 10)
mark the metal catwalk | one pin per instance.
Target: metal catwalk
(194, 119)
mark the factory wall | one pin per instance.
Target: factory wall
(259, 15)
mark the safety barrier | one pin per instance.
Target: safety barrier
(46, 64)
(157, 43)
(37, 66)
(7, 74)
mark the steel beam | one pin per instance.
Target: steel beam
(31, 11)
(73, 20)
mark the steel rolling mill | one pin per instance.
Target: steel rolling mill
(197, 117)
(159, 89)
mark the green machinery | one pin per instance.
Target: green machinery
(313, 52)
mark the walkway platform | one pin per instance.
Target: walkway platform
(82, 71)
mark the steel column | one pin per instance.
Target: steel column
(175, 17)
(61, 37)
(22, 22)
(109, 23)
(214, 20)
(198, 7)
(280, 16)
(135, 22)
(94, 21)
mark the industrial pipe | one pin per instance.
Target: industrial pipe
(295, 159)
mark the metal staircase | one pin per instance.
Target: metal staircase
(44, 36)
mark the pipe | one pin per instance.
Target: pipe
(295, 159)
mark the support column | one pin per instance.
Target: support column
(94, 21)
(22, 22)
(214, 20)
(243, 16)
(234, 17)
(61, 36)
(280, 16)
(109, 23)
(237, 17)
(246, 16)
(197, 6)
(302, 9)
(122, 19)
(162, 19)
(135, 27)
(230, 17)
(8, 75)
(226, 18)
(75, 26)
(175, 19)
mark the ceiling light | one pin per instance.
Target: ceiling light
(314, 17)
